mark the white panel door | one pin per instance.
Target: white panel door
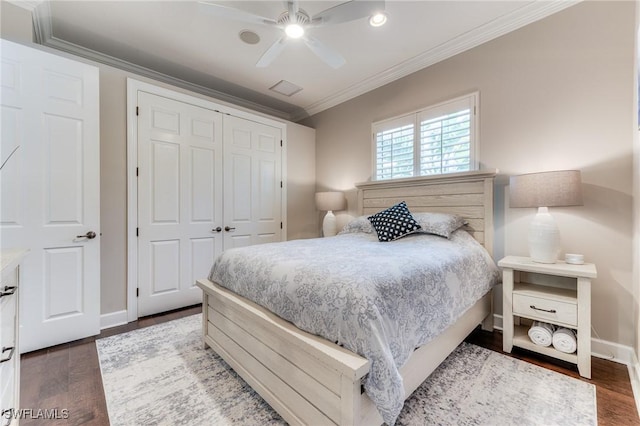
(50, 192)
(252, 182)
(179, 193)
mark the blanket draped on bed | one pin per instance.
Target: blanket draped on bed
(379, 300)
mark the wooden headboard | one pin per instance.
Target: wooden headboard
(469, 194)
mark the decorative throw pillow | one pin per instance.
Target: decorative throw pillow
(359, 224)
(394, 222)
(442, 224)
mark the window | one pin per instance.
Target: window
(435, 140)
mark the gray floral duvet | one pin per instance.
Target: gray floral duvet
(380, 300)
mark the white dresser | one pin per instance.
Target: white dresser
(9, 327)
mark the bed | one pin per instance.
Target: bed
(310, 380)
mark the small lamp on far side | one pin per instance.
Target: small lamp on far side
(330, 201)
(543, 190)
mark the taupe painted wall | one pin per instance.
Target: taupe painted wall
(302, 222)
(302, 216)
(556, 94)
(636, 193)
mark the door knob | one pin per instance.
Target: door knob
(218, 229)
(226, 228)
(90, 235)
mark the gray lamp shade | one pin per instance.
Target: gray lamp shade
(327, 201)
(546, 189)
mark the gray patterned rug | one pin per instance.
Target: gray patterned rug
(161, 375)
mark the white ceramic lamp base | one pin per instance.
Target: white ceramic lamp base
(544, 238)
(329, 228)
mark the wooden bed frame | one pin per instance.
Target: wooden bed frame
(309, 380)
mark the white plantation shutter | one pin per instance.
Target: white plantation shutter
(394, 147)
(446, 137)
(435, 140)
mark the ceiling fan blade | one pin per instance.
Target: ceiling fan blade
(324, 52)
(348, 11)
(271, 53)
(234, 14)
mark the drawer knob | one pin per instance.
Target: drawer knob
(8, 291)
(11, 350)
(551, 311)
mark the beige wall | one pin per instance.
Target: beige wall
(302, 216)
(15, 23)
(556, 94)
(113, 162)
(636, 189)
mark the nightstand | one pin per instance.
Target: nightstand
(557, 293)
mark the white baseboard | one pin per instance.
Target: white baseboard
(113, 319)
(497, 322)
(634, 376)
(612, 351)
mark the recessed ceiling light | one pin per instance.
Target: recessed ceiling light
(286, 88)
(378, 19)
(249, 37)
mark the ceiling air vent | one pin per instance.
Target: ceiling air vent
(285, 88)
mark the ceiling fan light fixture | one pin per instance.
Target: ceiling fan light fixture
(294, 30)
(378, 19)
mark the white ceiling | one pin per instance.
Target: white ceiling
(200, 51)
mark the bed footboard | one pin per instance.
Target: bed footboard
(306, 379)
(286, 366)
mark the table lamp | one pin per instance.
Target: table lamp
(329, 201)
(544, 190)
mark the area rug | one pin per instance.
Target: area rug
(161, 375)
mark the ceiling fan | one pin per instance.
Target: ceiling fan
(294, 22)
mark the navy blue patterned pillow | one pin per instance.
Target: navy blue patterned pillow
(394, 222)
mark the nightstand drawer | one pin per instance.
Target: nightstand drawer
(545, 309)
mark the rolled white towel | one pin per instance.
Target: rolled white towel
(541, 333)
(564, 340)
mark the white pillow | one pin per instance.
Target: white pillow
(442, 224)
(359, 224)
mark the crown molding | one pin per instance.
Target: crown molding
(529, 13)
(44, 36)
(525, 15)
(29, 5)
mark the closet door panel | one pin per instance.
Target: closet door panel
(206, 181)
(179, 200)
(202, 192)
(164, 167)
(253, 187)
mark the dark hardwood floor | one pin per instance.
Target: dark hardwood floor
(67, 377)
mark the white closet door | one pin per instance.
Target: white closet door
(50, 195)
(179, 200)
(252, 182)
